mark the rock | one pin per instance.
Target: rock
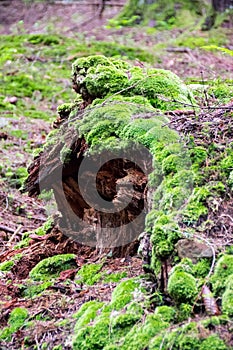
(189, 248)
(12, 99)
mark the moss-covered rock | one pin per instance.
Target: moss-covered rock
(51, 267)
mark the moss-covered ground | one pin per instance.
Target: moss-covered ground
(57, 296)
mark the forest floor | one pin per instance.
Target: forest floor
(20, 135)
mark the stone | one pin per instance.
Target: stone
(193, 249)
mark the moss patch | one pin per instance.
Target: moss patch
(89, 274)
(182, 287)
(15, 322)
(223, 269)
(51, 267)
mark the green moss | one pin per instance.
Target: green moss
(52, 137)
(139, 336)
(148, 131)
(33, 289)
(101, 80)
(196, 205)
(184, 337)
(227, 300)
(16, 320)
(198, 155)
(162, 88)
(45, 228)
(58, 347)
(40, 231)
(51, 267)
(230, 180)
(185, 265)
(222, 91)
(172, 164)
(123, 293)
(98, 77)
(6, 265)
(23, 243)
(86, 314)
(218, 48)
(166, 313)
(202, 268)
(212, 323)
(65, 154)
(226, 164)
(182, 287)
(184, 311)
(198, 270)
(213, 342)
(114, 277)
(93, 337)
(45, 39)
(115, 116)
(163, 239)
(223, 269)
(124, 321)
(184, 342)
(65, 109)
(89, 274)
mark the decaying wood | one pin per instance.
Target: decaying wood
(117, 182)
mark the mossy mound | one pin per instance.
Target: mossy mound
(107, 322)
(51, 267)
(99, 327)
(99, 77)
(182, 287)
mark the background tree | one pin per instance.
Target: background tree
(221, 5)
(159, 13)
(217, 7)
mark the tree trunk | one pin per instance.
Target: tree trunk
(221, 5)
(218, 6)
